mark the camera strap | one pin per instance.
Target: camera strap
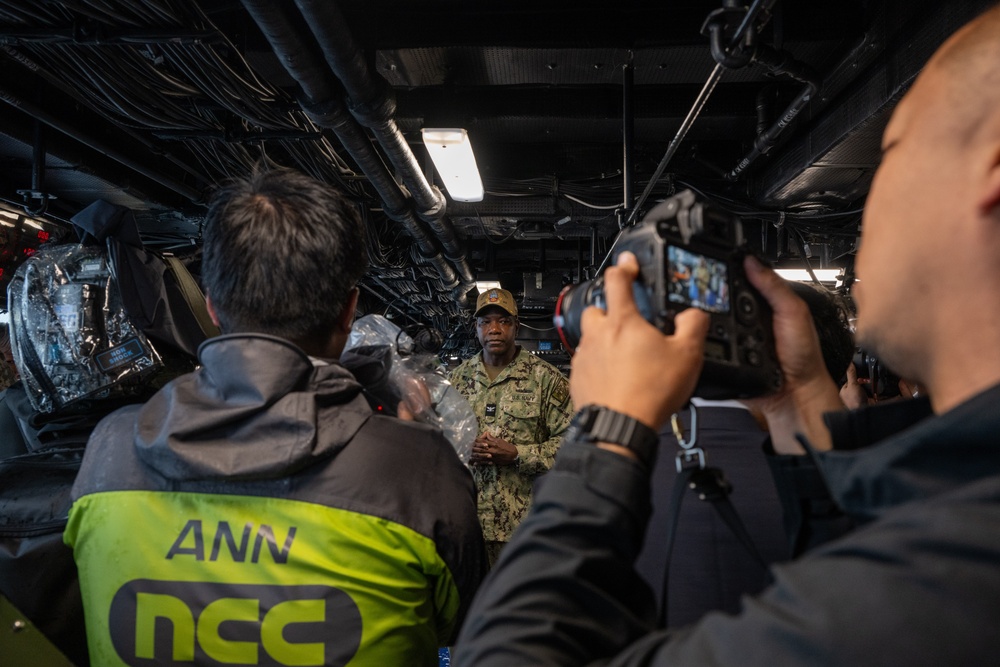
(711, 485)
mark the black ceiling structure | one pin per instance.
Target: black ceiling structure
(582, 115)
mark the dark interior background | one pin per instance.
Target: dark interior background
(570, 105)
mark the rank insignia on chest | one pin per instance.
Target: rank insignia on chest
(491, 409)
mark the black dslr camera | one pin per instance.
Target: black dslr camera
(882, 382)
(691, 254)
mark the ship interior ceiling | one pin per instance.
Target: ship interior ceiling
(582, 115)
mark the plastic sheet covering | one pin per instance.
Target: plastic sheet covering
(416, 385)
(70, 336)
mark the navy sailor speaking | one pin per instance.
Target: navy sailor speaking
(523, 407)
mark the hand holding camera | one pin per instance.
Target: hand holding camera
(690, 255)
(683, 271)
(638, 383)
(807, 391)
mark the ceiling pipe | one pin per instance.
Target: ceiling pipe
(778, 62)
(743, 48)
(37, 190)
(371, 101)
(324, 106)
(335, 117)
(765, 110)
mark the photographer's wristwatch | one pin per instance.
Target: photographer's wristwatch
(594, 423)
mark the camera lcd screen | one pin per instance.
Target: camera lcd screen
(697, 280)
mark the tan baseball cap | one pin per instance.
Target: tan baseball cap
(496, 297)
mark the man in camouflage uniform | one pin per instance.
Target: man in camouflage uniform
(523, 407)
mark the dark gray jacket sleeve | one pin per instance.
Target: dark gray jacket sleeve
(565, 591)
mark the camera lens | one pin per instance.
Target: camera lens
(573, 300)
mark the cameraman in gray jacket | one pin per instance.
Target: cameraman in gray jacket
(917, 582)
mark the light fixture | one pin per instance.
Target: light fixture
(483, 285)
(801, 275)
(487, 280)
(451, 152)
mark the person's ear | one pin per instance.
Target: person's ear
(346, 317)
(211, 310)
(989, 199)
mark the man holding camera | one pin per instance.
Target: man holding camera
(917, 583)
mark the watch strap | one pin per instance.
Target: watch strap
(595, 423)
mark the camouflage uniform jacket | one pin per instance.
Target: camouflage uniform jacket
(527, 405)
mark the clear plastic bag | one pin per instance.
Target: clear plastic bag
(70, 335)
(417, 386)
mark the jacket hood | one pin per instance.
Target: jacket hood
(252, 411)
(930, 457)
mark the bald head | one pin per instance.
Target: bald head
(974, 45)
(929, 261)
(969, 65)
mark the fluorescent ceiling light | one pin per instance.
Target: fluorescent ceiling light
(801, 275)
(451, 152)
(483, 285)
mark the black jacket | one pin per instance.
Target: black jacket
(916, 584)
(40, 455)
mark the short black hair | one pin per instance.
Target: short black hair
(831, 320)
(282, 252)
